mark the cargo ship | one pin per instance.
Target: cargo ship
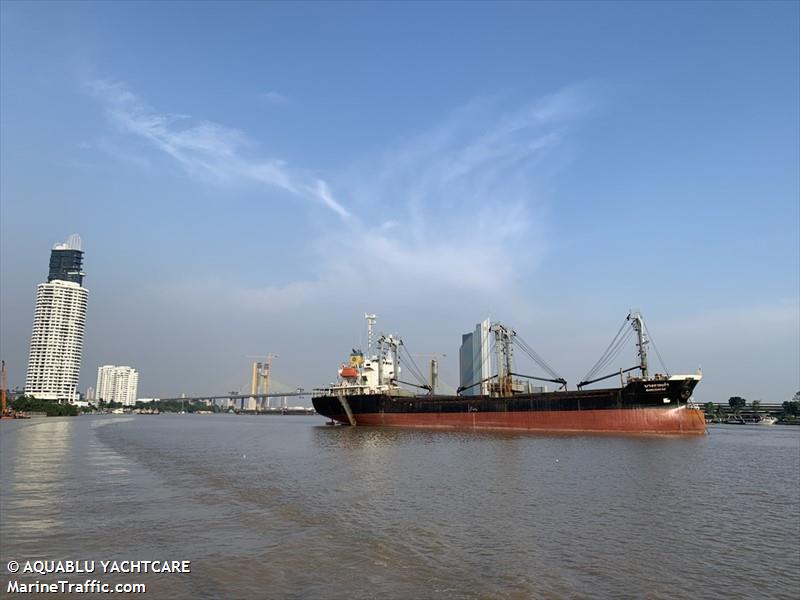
(369, 390)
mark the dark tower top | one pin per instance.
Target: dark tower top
(65, 265)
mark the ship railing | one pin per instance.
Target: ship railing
(336, 390)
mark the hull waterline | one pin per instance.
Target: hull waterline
(680, 420)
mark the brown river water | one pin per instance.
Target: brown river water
(286, 507)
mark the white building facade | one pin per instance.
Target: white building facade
(59, 321)
(117, 384)
(104, 389)
(54, 361)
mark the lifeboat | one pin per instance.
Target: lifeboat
(348, 372)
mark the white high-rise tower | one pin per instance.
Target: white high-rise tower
(54, 362)
(117, 384)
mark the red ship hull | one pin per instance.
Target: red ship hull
(679, 420)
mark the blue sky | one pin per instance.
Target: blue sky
(252, 177)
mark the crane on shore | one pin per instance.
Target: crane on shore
(5, 411)
(3, 391)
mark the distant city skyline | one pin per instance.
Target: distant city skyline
(252, 177)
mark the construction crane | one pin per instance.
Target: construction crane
(5, 412)
(259, 383)
(3, 390)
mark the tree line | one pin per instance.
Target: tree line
(169, 406)
(736, 404)
(52, 408)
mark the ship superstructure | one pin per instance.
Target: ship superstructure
(377, 371)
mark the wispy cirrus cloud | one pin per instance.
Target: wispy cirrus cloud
(456, 208)
(205, 149)
(463, 205)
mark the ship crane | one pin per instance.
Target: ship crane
(541, 362)
(638, 329)
(504, 340)
(391, 346)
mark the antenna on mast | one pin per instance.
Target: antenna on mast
(370, 324)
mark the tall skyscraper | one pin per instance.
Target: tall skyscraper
(54, 362)
(475, 361)
(117, 384)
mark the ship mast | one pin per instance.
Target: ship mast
(371, 318)
(388, 349)
(380, 361)
(641, 340)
